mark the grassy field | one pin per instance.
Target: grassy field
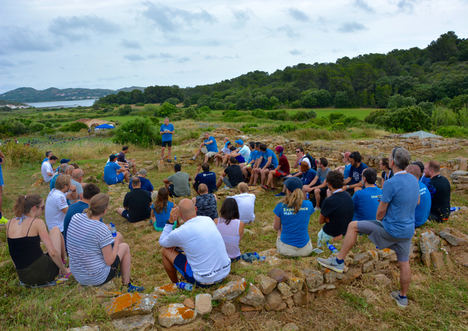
(438, 300)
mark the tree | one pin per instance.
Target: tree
(139, 131)
(444, 47)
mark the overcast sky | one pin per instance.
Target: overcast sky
(118, 43)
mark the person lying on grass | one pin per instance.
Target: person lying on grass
(231, 228)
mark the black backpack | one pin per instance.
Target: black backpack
(312, 161)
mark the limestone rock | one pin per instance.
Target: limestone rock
(300, 298)
(274, 301)
(373, 255)
(462, 259)
(85, 328)
(437, 259)
(323, 287)
(285, 290)
(314, 278)
(428, 242)
(289, 302)
(269, 252)
(352, 274)
(290, 327)
(129, 304)
(228, 308)
(189, 303)
(361, 258)
(268, 228)
(454, 238)
(278, 274)
(176, 314)
(247, 308)
(387, 254)
(296, 284)
(231, 290)
(139, 322)
(381, 279)
(254, 297)
(331, 276)
(166, 289)
(203, 303)
(266, 283)
(368, 266)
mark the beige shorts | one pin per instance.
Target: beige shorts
(210, 154)
(288, 250)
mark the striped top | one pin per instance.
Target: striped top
(85, 239)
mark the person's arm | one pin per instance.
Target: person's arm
(323, 219)
(241, 229)
(170, 238)
(53, 253)
(277, 223)
(166, 181)
(382, 210)
(2, 155)
(110, 252)
(313, 181)
(347, 180)
(268, 163)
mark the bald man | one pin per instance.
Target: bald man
(424, 207)
(205, 261)
(76, 180)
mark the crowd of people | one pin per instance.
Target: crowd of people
(200, 241)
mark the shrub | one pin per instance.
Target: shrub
(36, 127)
(174, 101)
(205, 109)
(152, 109)
(74, 127)
(452, 131)
(349, 121)
(399, 101)
(336, 117)
(166, 109)
(249, 128)
(406, 119)
(125, 110)
(259, 113)
(304, 115)
(139, 131)
(321, 121)
(229, 115)
(277, 115)
(285, 128)
(139, 104)
(338, 126)
(12, 128)
(427, 107)
(19, 154)
(443, 117)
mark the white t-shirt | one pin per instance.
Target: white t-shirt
(245, 152)
(306, 160)
(45, 168)
(246, 204)
(56, 201)
(204, 247)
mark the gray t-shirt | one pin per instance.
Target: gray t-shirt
(323, 174)
(79, 189)
(181, 183)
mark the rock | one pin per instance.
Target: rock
(176, 314)
(300, 298)
(453, 238)
(289, 302)
(373, 255)
(189, 303)
(129, 304)
(85, 328)
(273, 301)
(331, 276)
(254, 297)
(368, 266)
(314, 278)
(166, 289)
(285, 290)
(459, 173)
(266, 283)
(352, 274)
(278, 274)
(370, 296)
(268, 228)
(437, 259)
(140, 322)
(203, 303)
(246, 308)
(462, 259)
(231, 290)
(361, 258)
(323, 287)
(428, 242)
(228, 308)
(290, 327)
(296, 284)
(381, 279)
(273, 260)
(268, 252)
(387, 254)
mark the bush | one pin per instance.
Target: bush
(205, 109)
(259, 113)
(36, 127)
(12, 128)
(151, 109)
(336, 117)
(452, 131)
(230, 115)
(285, 128)
(321, 121)
(249, 128)
(427, 107)
(19, 154)
(277, 115)
(174, 101)
(443, 117)
(304, 115)
(74, 127)
(399, 101)
(125, 110)
(338, 126)
(139, 131)
(139, 104)
(401, 119)
(166, 109)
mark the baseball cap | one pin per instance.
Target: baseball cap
(293, 183)
(239, 142)
(62, 161)
(112, 157)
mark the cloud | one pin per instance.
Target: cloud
(295, 52)
(165, 57)
(290, 33)
(130, 44)
(406, 5)
(170, 19)
(241, 16)
(298, 15)
(351, 27)
(362, 4)
(134, 57)
(5, 63)
(81, 27)
(19, 39)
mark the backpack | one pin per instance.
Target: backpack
(312, 161)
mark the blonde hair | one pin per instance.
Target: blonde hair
(243, 187)
(61, 181)
(24, 204)
(294, 200)
(98, 204)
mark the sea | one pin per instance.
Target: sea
(62, 104)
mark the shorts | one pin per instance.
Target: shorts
(382, 239)
(42, 271)
(279, 173)
(166, 143)
(210, 154)
(227, 182)
(114, 269)
(440, 217)
(288, 250)
(118, 179)
(184, 268)
(323, 238)
(271, 167)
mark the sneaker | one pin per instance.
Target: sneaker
(401, 302)
(281, 194)
(194, 158)
(133, 288)
(331, 264)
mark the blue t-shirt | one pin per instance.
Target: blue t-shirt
(145, 184)
(356, 173)
(424, 208)
(347, 168)
(211, 147)
(309, 176)
(164, 215)
(401, 192)
(294, 227)
(208, 178)
(166, 136)
(269, 153)
(52, 181)
(1, 174)
(76, 208)
(366, 202)
(427, 181)
(254, 155)
(110, 172)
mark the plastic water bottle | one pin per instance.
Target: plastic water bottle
(113, 230)
(184, 286)
(175, 158)
(332, 248)
(454, 209)
(307, 196)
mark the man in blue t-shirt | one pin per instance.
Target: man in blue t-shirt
(366, 201)
(400, 196)
(206, 177)
(354, 180)
(423, 209)
(114, 173)
(144, 182)
(269, 162)
(166, 131)
(208, 146)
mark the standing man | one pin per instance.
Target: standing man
(166, 131)
(209, 143)
(47, 170)
(394, 226)
(2, 157)
(440, 209)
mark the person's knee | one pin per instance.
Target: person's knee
(353, 226)
(124, 249)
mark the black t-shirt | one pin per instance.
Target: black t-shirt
(441, 198)
(339, 209)
(234, 174)
(121, 157)
(138, 204)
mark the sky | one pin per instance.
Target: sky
(119, 43)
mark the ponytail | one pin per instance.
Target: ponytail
(294, 200)
(24, 204)
(97, 205)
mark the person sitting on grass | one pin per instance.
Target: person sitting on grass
(423, 209)
(47, 169)
(114, 173)
(222, 157)
(60, 171)
(232, 175)
(309, 179)
(206, 177)
(209, 147)
(394, 226)
(245, 202)
(242, 150)
(344, 169)
(281, 171)
(387, 173)
(366, 201)
(123, 162)
(354, 180)
(47, 155)
(205, 203)
(440, 207)
(89, 191)
(178, 184)
(76, 185)
(145, 182)
(320, 191)
(204, 260)
(231, 228)
(337, 211)
(292, 216)
(269, 162)
(24, 235)
(254, 162)
(95, 255)
(136, 203)
(161, 209)
(56, 205)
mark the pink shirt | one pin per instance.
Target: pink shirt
(230, 234)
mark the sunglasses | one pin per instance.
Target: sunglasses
(298, 152)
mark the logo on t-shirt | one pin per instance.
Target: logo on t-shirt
(292, 211)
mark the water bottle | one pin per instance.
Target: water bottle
(454, 209)
(307, 196)
(175, 158)
(332, 248)
(113, 230)
(184, 286)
